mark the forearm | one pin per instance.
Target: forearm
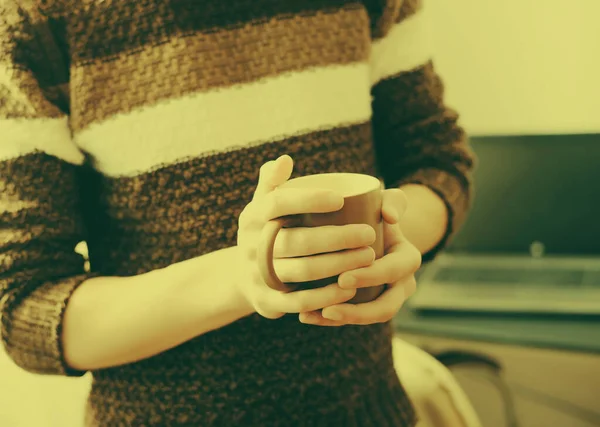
(111, 321)
(426, 219)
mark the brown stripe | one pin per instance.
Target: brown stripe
(191, 208)
(409, 96)
(106, 28)
(203, 61)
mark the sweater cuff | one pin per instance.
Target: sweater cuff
(33, 330)
(454, 193)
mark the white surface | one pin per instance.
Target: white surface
(407, 46)
(520, 66)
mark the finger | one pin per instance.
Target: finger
(273, 174)
(382, 310)
(305, 300)
(410, 287)
(317, 267)
(404, 261)
(294, 201)
(317, 319)
(394, 205)
(392, 236)
(303, 241)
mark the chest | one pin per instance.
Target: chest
(147, 51)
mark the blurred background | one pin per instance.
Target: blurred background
(524, 346)
(513, 306)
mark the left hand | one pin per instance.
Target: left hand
(396, 269)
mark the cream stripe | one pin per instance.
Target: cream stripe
(25, 136)
(218, 120)
(406, 47)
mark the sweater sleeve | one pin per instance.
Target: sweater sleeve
(40, 222)
(417, 137)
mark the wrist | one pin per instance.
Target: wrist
(243, 271)
(207, 288)
(426, 219)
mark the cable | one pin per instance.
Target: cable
(492, 373)
(510, 412)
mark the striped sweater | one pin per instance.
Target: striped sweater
(142, 134)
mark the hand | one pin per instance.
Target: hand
(300, 254)
(396, 269)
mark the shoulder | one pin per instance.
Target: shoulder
(385, 14)
(408, 9)
(25, 10)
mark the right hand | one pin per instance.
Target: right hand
(300, 254)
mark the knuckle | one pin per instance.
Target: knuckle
(302, 304)
(261, 301)
(274, 205)
(306, 270)
(265, 166)
(350, 318)
(281, 247)
(243, 218)
(269, 314)
(397, 269)
(251, 254)
(302, 241)
(262, 170)
(411, 287)
(248, 217)
(290, 242)
(417, 259)
(385, 317)
(348, 239)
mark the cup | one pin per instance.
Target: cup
(362, 205)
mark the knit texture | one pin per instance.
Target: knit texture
(172, 107)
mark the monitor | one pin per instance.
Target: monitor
(538, 193)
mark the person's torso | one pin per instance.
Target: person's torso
(177, 104)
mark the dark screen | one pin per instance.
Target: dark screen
(534, 189)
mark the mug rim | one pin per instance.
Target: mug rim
(369, 182)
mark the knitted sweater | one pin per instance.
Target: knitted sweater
(173, 106)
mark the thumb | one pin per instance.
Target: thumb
(274, 173)
(394, 206)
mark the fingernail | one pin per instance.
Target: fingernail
(372, 254)
(334, 198)
(306, 317)
(332, 315)
(368, 234)
(348, 281)
(392, 214)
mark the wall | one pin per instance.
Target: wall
(520, 66)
